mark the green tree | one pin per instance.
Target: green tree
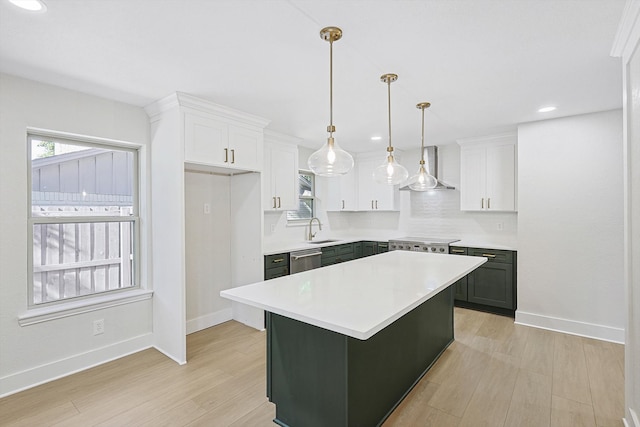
(49, 148)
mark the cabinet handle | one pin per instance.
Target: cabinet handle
(343, 204)
(376, 204)
(489, 203)
(226, 155)
(233, 155)
(372, 204)
(275, 261)
(489, 255)
(274, 202)
(457, 251)
(482, 203)
(279, 205)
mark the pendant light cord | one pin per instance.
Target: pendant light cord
(331, 88)
(422, 151)
(389, 108)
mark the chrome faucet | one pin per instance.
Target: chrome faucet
(312, 235)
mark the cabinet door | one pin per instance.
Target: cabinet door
(331, 192)
(371, 194)
(280, 176)
(244, 148)
(349, 198)
(205, 141)
(340, 192)
(472, 179)
(284, 176)
(500, 184)
(460, 289)
(491, 284)
(368, 248)
(366, 197)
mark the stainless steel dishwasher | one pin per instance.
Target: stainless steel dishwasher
(304, 260)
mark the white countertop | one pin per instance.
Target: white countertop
(483, 245)
(280, 247)
(360, 297)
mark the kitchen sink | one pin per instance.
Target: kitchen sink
(317, 242)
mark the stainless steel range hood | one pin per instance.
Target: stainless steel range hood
(431, 157)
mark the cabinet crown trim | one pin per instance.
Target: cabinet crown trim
(628, 34)
(501, 138)
(281, 138)
(181, 99)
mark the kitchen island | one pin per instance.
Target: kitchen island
(347, 342)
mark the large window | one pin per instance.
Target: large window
(83, 220)
(306, 198)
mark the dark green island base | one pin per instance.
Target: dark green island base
(318, 377)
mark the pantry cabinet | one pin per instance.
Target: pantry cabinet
(205, 210)
(280, 181)
(488, 173)
(212, 141)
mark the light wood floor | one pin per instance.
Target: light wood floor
(495, 374)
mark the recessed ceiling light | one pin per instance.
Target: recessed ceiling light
(546, 109)
(376, 138)
(30, 5)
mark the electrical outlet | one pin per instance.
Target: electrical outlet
(500, 226)
(273, 228)
(98, 327)
(207, 208)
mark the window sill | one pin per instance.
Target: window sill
(72, 308)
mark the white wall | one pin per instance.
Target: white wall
(570, 225)
(207, 246)
(627, 46)
(43, 351)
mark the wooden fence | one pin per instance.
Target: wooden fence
(81, 258)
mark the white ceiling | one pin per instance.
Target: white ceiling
(485, 65)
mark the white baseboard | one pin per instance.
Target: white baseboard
(209, 320)
(572, 327)
(29, 378)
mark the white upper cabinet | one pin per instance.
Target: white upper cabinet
(488, 173)
(280, 173)
(212, 137)
(211, 141)
(373, 196)
(341, 194)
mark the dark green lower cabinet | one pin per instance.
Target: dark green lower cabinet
(492, 284)
(319, 378)
(369, 248)
(276, 265)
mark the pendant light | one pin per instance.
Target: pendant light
(423, 180)
(390, 172)
(330, 160)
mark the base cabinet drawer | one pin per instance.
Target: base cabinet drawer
(276, 265)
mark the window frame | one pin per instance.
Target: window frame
(302, 221)
(134, 218)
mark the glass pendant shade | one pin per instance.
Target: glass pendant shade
(390, 172)
(330, 160)
(422, 180)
